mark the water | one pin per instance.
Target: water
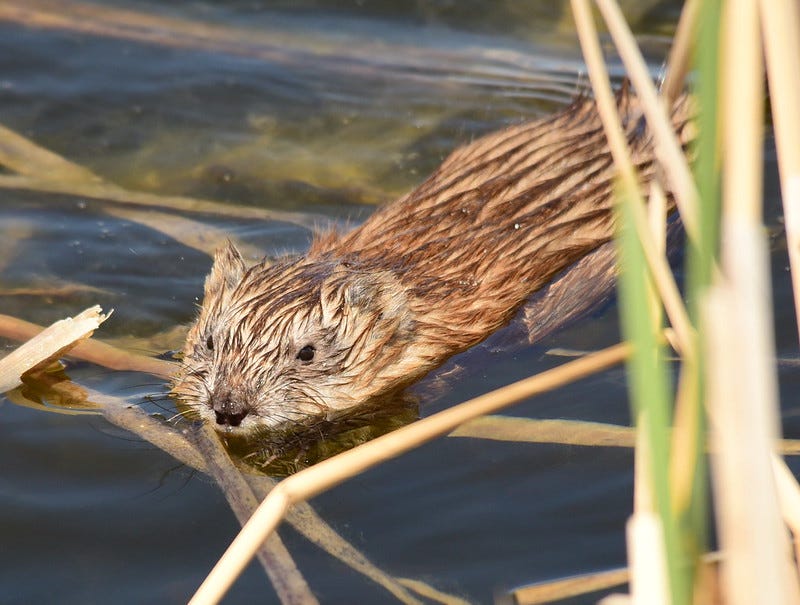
(330, 111)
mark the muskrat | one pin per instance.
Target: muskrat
(369, 312)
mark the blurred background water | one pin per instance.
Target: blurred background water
(315, 106)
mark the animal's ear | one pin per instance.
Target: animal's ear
(226, 272)
(375, 299)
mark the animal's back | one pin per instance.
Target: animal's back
(503, 215)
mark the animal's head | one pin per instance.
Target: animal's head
(294, 340)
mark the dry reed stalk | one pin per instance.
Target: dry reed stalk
(547, 592)
(64, 290)
(667, 148)
(527, 430)
(27, 158)
(93, 351)
(48, 344)
(316, 479)
(742, 378)
(780, 21)
(569, 432)
(286, 578)
(427, 591)
(756, 569)
(121, 413)
(683, 445)
(302, 517)
(40, 169)
(680, 52)
(606, 106)
(616, 599)
(789, 498)
(104, 191)
(192, 234)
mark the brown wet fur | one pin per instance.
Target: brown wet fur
(425, 277)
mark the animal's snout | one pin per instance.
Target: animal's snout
(228, 410)
(226, 418)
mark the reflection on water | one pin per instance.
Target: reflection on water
(311, 106)
(282, 453)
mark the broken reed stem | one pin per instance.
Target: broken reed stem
(320, 477)
(94, 351)
(46, 344)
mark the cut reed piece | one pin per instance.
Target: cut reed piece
(93, 351)
(743, 392)
(649, 583)
(47, 345)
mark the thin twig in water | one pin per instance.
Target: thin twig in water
(302, 518)
(316, 479)
(286, 578)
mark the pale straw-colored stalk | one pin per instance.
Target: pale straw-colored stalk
(49, 343)
(91, 350)
(667, 148)
(780, 21)
(679, 58)
(607, 108)
(742, 377)
(329, 473)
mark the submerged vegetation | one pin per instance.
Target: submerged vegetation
(724, 406)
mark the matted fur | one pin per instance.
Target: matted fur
(425, 277)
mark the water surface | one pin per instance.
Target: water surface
(315, 107)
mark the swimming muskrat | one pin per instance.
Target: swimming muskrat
(369, 312)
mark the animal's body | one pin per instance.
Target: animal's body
(427, 276)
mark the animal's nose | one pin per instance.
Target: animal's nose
(229, 418)
(228, 410)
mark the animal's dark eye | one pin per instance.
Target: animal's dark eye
(210, 343)
(306, 353)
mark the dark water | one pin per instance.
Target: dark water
(321, 107)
